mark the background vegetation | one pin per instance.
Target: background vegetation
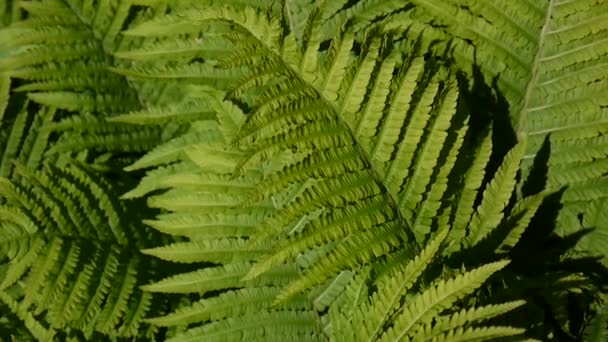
(303, 170)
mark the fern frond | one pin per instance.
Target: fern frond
(475, 315)
(269, 326)
(324, 165)
(62, 283)
(221, 278)
(182, 112)
(216, 251)
(326, 295)
(176, 148)
(249, 18)
(477, 334)
(76, 270)
(596, 330)
(58, 35)
(551, 59)
(40, 332)
(495, 197)
(229, 304)
(436, 299)
(520, 218)
(368, 320)
(472, 182)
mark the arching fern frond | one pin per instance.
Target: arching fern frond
(62, 49)
(68, 253)
(339, 158)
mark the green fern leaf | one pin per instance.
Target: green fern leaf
(268, 326)
(434, 300)
(495, 197)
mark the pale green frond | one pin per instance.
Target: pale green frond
(192, 110)
(355, 251)
(354, 85)
(466, 317)
(231, 117)
(332, 191)
(477, 334)
(295, 13)
(328, 294)
(269, 326)
(176, 148)
(428, 156)
(181, 47)
(423, 307)
(472, 182)
(338, 160)
(367, 121)
(520, 218)
(153, 180)
(206, 73)
(261, 27)
(311, 41)
(192, 201)
(391, 288)
(496, 196)
(210, 225)
(220, 278)
(228, 304)
(334, 226)
(212, 182)
(212, 250)
(214, 157)
(336, 65)
(360, 13)
(355, 293)
(400, 167)
(428, 210)
(401, 100)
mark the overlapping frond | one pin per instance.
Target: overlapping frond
(397, 310)
(68, 252)
(62, 51)
(547, 58)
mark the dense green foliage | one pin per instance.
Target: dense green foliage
(241, 170)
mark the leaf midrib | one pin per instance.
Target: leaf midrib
(356, 143)
(521, 118)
